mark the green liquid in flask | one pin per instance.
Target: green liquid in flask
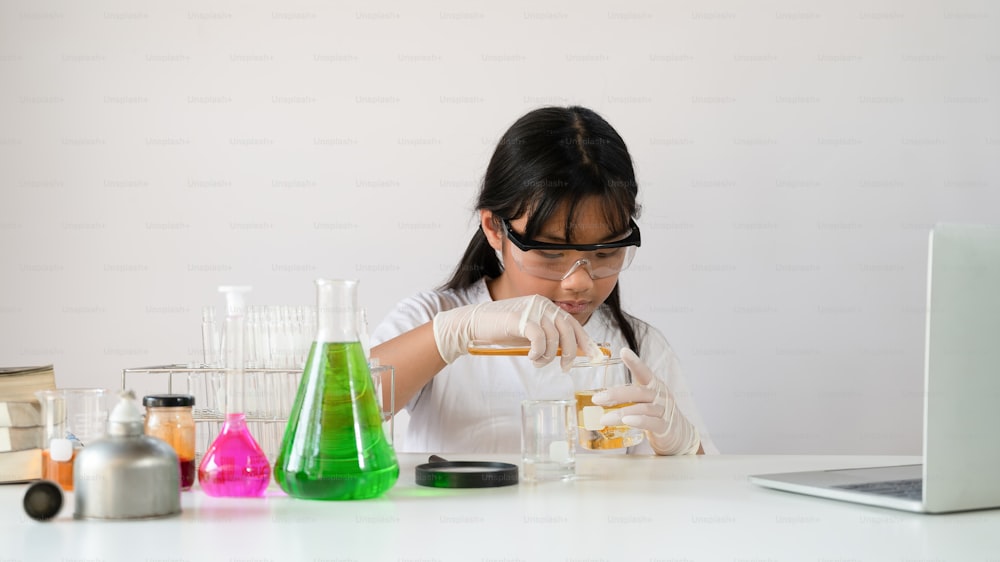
(334, 446)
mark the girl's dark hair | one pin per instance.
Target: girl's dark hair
(551, 157)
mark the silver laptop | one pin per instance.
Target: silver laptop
(961, 468)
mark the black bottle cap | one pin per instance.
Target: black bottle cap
(43, 500)
(167, 400)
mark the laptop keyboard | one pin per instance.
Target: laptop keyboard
(907, 489)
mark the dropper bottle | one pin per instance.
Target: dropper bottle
(234, 465)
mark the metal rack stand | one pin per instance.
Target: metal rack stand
(270, 395)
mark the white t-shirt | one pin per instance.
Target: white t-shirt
(474, 404)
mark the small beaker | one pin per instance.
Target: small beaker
(71, 419)
(587, 381)
(548, 439)
(384, 379)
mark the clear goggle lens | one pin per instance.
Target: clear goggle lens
(558, 265)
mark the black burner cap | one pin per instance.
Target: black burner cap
(43, 500)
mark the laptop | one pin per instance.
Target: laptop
(961, 460)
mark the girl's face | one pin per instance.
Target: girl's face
(577, 294)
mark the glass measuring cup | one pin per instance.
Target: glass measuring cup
(588, 380)
(71, 419)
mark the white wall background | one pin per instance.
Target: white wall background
(792, 157)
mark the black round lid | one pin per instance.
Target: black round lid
(466, 474)
(167, 400)
(43, 500)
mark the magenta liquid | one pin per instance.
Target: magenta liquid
(234, 465)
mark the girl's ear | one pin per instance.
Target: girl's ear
(491, 228)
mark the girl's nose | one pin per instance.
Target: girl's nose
(578, 278)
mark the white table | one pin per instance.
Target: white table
(620, 508)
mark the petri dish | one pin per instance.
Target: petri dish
(466, 474)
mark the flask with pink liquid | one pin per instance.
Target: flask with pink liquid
(234, 465)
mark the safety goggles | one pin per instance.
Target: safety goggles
(556, 262)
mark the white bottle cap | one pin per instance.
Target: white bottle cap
(126, 410)
(60, 450)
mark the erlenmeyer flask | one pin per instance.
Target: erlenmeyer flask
(334, 446)
(234, 465)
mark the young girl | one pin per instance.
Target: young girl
(556, 213)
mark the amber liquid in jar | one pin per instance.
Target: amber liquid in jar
(169, 417)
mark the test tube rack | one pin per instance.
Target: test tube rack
(269, 397)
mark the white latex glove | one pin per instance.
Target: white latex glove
(655, 410)
(512, 321)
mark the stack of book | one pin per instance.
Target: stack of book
(21, 430)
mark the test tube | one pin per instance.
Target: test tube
(274, 333)
(209, 336)
(583, 360)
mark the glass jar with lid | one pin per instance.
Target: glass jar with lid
(169, 417)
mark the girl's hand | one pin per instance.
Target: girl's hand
(655, 411)
(511, 321)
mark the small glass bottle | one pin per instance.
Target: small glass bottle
(169, 417)
(334, 446)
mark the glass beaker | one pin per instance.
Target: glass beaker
(71, 419)
(588, 380)
(382, 376)
(334, 446)
(548, 439)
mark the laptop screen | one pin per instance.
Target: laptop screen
(962, 378)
